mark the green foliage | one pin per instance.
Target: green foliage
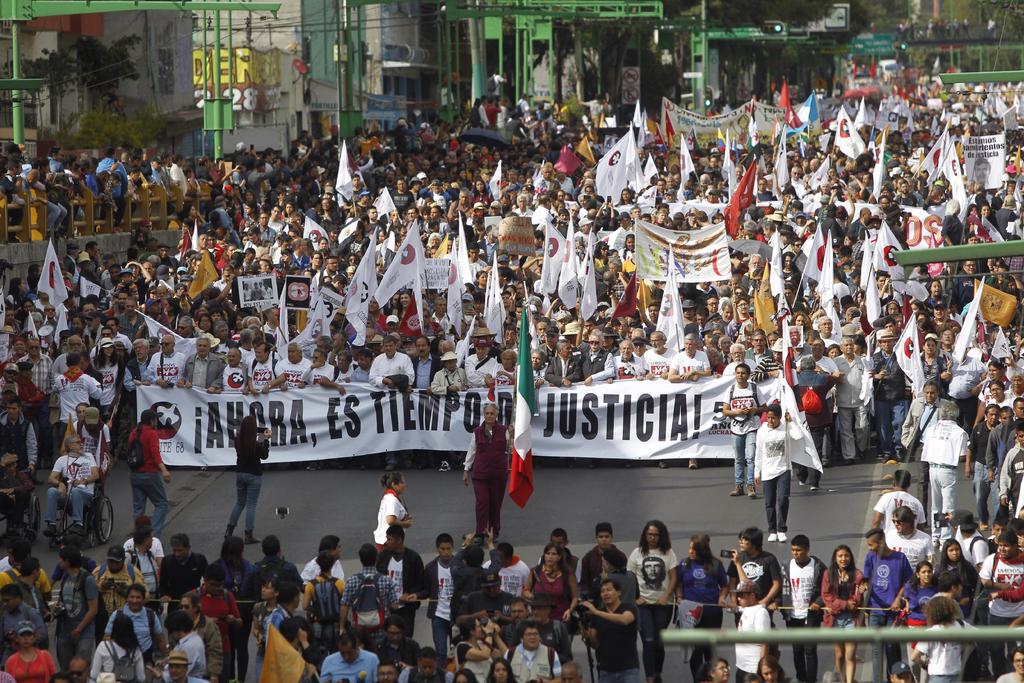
(574, 108)
(100, 127)
(57, 68)
(102, 65)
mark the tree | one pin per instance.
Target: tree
(103, 66)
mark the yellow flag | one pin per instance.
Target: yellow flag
(643, 297)
(282, 663)
(442, 249)
(764, 304)
(583, 149)
(996, 306)
(205, 275)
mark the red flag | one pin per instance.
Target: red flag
(628, 303)
(670, 131)
(567, 161)
(410, 324)
(186, 242)
(740, 200)
(792, 120)
(874, 68)
(784, 96)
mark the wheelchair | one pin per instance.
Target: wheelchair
(29, 526)
(97, 522)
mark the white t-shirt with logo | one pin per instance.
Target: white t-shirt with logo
(297, 373)
(395, 572)
(683, 364)
(657, 363)
(944, 443)
(263, 373)
(740, 397)
(168, 368)
(108, 385)
(76, 468)
(326, 371)
(801, 587)
(233, 379)
(917, 548)
(513, 577)
(944, 658)
(996, 569)
(888, 503)
(651, 571)
(445, 588)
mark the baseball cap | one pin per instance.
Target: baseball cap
(899, 668)
(490, 580)
(92, 415)
(115, 553)
(25, 627)
(746, 587)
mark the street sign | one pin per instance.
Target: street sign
(692, 74)
(872, 44)
(630, 84)
(836, 19)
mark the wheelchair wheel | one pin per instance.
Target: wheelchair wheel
(103, 520)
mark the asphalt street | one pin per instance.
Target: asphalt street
(345, 502)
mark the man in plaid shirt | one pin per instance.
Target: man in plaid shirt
(387, 593)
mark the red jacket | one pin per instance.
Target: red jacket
(833, 602)
(151, 460)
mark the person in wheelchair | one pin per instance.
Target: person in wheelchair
(15, 491)
(72, 481)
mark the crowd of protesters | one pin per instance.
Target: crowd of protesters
(71, 370)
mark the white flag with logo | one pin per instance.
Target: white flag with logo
(554, 258)
(1001, 346)
(406, 270)
(89, 288)
(385, 204)
(908, 356)
(360, 291)
(886, 248)
(848, 140)
(588, 304)
(494, 307)
(611, 176)
(313, 231)
(969, 328)
(456, 287)
(670, 316)
(343, 183)
(568, 276)
(494, 184)
(820, 175)
(51, 279)
(878, 173)
(155, 329)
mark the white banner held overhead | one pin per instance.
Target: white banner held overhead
(628, 420)
(701, 255)
(985, 159)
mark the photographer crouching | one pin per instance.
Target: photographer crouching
(612, 632)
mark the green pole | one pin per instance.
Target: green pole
(17, 112)
(338, 46)
(218, 132)
(231, 70)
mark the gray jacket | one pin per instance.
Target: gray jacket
(214, 371)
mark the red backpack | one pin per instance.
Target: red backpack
(810, 402)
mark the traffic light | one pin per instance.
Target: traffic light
(903, 46)
(774, 28)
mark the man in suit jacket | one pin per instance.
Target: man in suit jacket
(594, 353)
(424, 364)
(925, 411)
(210, 367)
(564, 369)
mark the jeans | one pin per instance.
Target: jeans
(247, 493)
(67, 649)
(743, 452)
(776, 494)
(944, 678)
(440, 630)
(710, 618)
(984, 507)
(653, 620)
(1000, 651)
(79, 499)
(942, 492)
(878, 619)
(890, 416)
(805, 657)
(627, 676)
(150, 486)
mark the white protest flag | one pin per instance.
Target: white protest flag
(886, 246)
(343, 183)
(634, 169)
(686, 166)
(406, 270)
(30, 326)
(848, 140)
(814, 251)
(954, 173)
(568, 276)
(456, 287)
(1001, 346)
(155, 329)
(775, 277)
(728, 166)
(638, 117)
(89, 288)
(872, 300)
(650, 170)
(385, 204)
(932, 162)
(494, 307)
(588, 303)
(670, 316)
(313, 231)
(826, 287)
(908, 356)
(195, 236)
(62, 322)
(798, 436)
(360, 291)
(988, 232)
(820, 175)
(781, 176)
(861, 119)
(494, 184)
(866, 258)
(878, 174)
(648, 199)
(51, 279)
(1010, 118)
(281, 333)
(462, 347)
(465, 270)
(554, 258)
(969, 329)
(611, 174)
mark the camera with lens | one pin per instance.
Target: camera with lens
(580, 616)
(940, 520)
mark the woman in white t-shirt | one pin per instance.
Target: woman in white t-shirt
(653, 562)
(944, 660)
(392, 508)
(890, 500)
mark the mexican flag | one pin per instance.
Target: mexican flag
(520, 483)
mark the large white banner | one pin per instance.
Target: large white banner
(627, 420)
(737, 121)
(701, 255)
(985, 159)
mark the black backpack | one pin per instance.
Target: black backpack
(324, 609)
(136, 457)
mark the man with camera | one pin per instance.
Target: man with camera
(612, 633)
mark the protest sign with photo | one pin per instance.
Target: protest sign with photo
(257, 291)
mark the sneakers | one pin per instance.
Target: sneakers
(738, 491)
(773, 537)
(814, 487)
(782, 538)
(751, 491)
